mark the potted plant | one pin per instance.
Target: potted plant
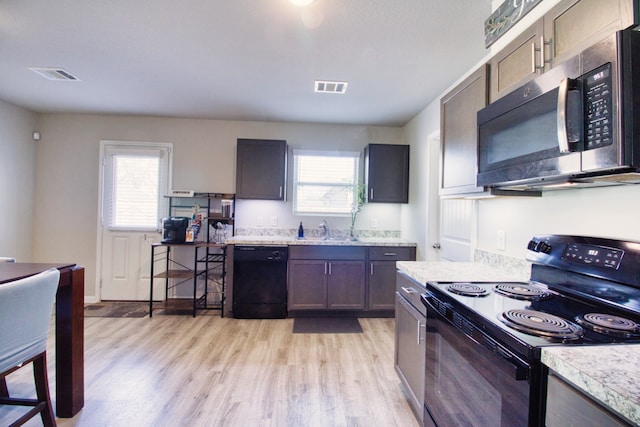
(359, 199)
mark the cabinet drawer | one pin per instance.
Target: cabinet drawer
(410, 290)
(327, 252)
(392, 253)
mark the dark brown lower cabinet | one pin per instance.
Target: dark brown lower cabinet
(326, 284)
(347, 278)
(382, 274)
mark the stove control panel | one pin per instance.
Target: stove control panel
(599, 256)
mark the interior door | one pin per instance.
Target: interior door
(134, 181)
(433, 241)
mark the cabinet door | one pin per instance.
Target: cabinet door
(345, 285)
(458, 115)
(566, 406)
(387, 173)
(410, 351)
(574, 25)
(307, 285)
(261, 169)
(382, 276)
(518, 63)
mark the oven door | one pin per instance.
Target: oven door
(470, 379)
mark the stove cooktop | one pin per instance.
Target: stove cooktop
(529, 315)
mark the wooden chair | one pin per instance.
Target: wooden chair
(25, 314)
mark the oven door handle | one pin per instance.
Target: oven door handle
(518, 369)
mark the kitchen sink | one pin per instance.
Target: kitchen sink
(329, 239)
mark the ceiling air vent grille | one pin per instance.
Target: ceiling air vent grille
(330, 87)
(57, 74)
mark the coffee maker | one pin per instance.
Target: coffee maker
(174, 229)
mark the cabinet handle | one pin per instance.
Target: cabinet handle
(389, 254)
(371, 269)
(534, 66)
(419, 334)
(408, 290)
(542, 60)
(280, 191)
(371, 194)
(325, 268)
(329, 269)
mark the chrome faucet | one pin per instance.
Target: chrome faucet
(325, 229)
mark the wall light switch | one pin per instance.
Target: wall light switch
(274, 221)
(501, 241)
(260, 221)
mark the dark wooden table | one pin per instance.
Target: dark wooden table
(69, 330)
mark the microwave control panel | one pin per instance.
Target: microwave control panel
(598, 113)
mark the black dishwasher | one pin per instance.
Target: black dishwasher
(260, 282)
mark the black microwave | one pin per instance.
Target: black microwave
(574, 125)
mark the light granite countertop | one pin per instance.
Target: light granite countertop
(290, 241)
(606, 373)
(422, 272)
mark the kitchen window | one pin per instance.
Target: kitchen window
(324, 182)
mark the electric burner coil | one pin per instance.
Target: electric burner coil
(521, 291)
(541, 324)
(609, 325)
(467, 289)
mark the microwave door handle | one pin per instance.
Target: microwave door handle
(569, 120)
(563, 137)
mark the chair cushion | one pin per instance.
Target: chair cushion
(25, 315)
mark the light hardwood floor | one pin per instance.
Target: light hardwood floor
(208, 371)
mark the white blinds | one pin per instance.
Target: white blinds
(133, 188)
(324, 182)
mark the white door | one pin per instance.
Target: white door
(432, 249)
(135, 178)
(450, 221)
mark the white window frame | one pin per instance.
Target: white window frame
(109, 149)
(349, 186)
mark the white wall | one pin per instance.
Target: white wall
(607, 212)
(204, 160)
(17, 174)
(417, 214)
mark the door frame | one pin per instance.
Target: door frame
(99, 220)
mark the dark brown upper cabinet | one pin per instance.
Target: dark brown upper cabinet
(386, 173)
(261, 169)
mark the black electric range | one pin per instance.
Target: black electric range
(582, 291)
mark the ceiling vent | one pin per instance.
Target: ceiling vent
(57, 74)
(330, 87)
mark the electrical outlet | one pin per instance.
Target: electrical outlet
(374, 222)
(501, 241)
(274, 221)
(260, 221)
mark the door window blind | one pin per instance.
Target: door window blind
(135, 183)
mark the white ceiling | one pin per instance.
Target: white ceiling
(239, 59)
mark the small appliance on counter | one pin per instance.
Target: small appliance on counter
(174, 229)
